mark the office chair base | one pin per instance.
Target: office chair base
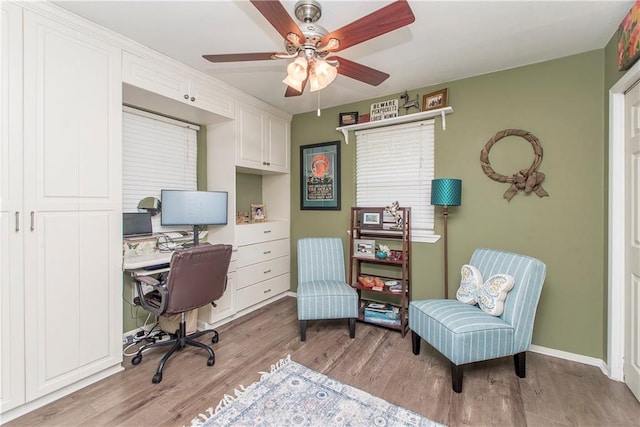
(178, 342)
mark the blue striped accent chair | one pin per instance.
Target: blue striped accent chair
(464, 333)
(323, 292)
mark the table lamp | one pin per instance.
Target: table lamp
(446, 192)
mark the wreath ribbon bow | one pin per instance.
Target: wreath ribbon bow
(527, 180)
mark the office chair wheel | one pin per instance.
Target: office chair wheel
(156, 378)
(211, 361)
(136, 359)
(215, 338)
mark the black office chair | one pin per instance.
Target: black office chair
(197, 277)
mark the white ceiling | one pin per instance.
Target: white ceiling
(449, 40)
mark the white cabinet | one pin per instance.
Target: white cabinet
(179, 85)
(11, 214)
(262, 141)
(69, 229)
(263, 262)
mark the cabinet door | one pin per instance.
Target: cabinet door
(72, 137)
(12, 227)
(250, 136)
(277, 145)
(207, 96)
(155, 78)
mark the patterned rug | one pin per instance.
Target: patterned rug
(293, 395)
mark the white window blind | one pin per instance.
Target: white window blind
(157, 153)
(397, 163)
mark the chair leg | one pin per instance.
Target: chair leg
(303, 330)
(520, 361)
(415, 343)
(456, 377)
(352, 328)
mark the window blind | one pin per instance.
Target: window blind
(157, 153)
(397, 163)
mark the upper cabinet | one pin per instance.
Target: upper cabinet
(176, 84)
(262, 140)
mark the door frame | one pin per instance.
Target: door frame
(617, 261)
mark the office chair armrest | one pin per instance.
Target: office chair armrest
(154, 301)
(151, 281)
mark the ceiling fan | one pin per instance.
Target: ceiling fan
(313, 46)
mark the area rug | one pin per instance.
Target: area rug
(294, 395)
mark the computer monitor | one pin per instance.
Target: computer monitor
(194, 208)
(136, 224)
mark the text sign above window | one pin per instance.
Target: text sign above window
(384, 110)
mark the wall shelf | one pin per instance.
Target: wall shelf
(398, 120)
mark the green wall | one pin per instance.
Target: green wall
(561, 103)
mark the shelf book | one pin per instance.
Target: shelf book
(381, 311)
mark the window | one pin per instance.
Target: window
(397, 163)
(157, 153)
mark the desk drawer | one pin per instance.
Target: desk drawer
(260, 252)
(247, 234)
(254, 294)
(262, 271)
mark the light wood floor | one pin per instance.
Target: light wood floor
(379, 361)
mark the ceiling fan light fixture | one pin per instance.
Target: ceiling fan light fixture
(298, 69)
(322, 75)
(296, 73)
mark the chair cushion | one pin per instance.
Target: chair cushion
(493, 292)
(470, 282)
(326, 299)
(461, 332)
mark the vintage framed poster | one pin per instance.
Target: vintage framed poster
(320, 176)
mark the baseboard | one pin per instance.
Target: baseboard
(592, 361)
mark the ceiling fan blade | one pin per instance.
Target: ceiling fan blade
(278, 17)
(389, 18)
(293, 92)
(360, 72)
(236, 57)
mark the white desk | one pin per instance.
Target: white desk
(134, 265)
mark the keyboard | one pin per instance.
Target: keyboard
(156, 267)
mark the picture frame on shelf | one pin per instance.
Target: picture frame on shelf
(434, 100)
(242, 217)
(258, 212)
(320, 176)
(371, 218)
(347, 119)
(364, 248)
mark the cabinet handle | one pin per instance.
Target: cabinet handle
(17, 221)
(186, 96)
(267, 231)
(264, 163)
(193, 98)
(267, 272)
(266, 252)
(267, 291)
(33, 222)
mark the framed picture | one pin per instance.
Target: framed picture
(242, 217)
(628, 45)
(371, 218)
(434, 100)
(320, 176)
(348, 119)
(364, 248)
(258, 212)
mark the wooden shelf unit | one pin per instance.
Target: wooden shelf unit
(399, 241)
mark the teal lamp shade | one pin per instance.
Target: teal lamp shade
(446, 192)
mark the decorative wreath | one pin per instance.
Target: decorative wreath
(526, 179)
